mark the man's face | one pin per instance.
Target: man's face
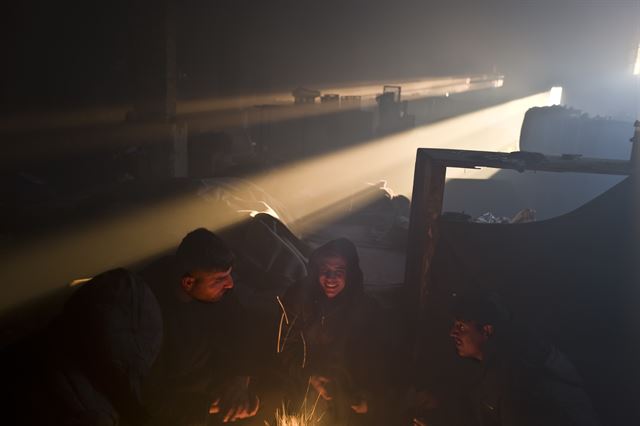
(469, 339)
(207, 286)
(332, 275)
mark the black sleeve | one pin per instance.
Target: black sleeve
(291, 347)
(368, 349)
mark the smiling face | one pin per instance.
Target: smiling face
(332, 275)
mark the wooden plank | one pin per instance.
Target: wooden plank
(426, 207)
(428, 194)
(522, 160)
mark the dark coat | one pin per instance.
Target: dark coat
(517, 389)
(87, 368)
(339, 338)
(203, 347)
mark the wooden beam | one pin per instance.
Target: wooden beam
(523, 160)
(426, 207)
(428, 194)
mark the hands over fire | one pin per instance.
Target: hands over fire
(236, 402)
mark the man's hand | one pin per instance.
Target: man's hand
(236, 403)
(361, 407)
(419, 422)
(321, 385)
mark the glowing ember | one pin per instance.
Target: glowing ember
(301, 419)
(283, 419)
(306, 416)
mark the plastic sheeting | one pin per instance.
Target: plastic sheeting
(575, 277)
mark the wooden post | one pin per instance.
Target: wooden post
(426, 207)
(428, 195)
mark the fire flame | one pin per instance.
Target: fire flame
(306, 416)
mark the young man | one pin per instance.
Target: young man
(203, 367)
(523, 381)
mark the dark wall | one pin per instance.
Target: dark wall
(76, 51)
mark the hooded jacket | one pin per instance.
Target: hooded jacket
(336, 338)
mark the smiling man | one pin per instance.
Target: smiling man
(202, 369)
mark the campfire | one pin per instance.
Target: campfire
(305, 416)
(284, 419)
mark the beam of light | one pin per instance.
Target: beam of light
(636, 66)
(555, 96)
(335, 176)
(226, 114)
(367, 91)
(215, 114)
(420, 88)
(229, 106)
(34, 269)
(309, 189)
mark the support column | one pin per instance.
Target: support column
(153, 59)
(426, 207)
(153, 70)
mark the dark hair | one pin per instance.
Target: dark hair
(481, 310)
(344, 248)
(201, 249)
